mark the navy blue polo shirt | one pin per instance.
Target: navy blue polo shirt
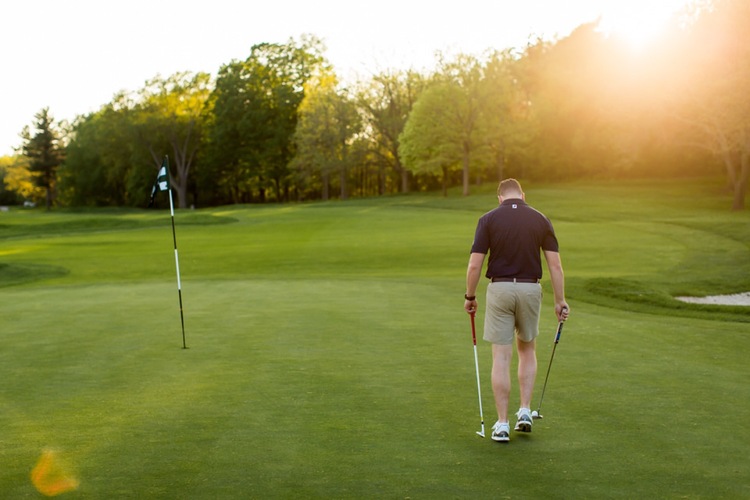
(514, 233)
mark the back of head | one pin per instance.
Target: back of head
(510, 188)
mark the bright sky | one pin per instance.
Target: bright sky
(74, 55)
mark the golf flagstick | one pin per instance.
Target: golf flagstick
(476, 364)
(163, 184)
(536, 413)
(177, 266)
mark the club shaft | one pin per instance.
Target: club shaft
(544, 388)
(476, 365)
(549, 366)
(479, 387)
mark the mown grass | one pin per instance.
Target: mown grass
(330, 357)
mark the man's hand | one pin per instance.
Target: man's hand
(562, 311)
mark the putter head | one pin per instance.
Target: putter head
(480, 433)
(536, 415)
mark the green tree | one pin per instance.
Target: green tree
(170, 116)
(465, 74)
(45, 152)
(386, 101)
(114, 153)
(255, 105)
(105, 164)
(15, 181)
(443, 127)
(428, 143)
(505, 129)
(570, 103)
(713, 101)
(327, 124)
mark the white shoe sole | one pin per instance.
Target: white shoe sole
(523, 427)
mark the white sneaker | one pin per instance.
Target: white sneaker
(525, 421)
(501, 432)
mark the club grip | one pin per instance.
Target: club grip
(473, 330)
(559, 331)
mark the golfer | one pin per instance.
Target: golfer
(515, 235)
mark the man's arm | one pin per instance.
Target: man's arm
(554, 264)
(473, 273)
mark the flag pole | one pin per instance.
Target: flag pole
(163, 184)
(177, 267)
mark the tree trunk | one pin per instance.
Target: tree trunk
(726, 156)
(181, 188)
(183, 157)
(500, 165)
(277, 189)
(739, 197)
(404, 180)
(465, 162)
(342, 181)
(740, 186)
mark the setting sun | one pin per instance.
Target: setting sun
(356, 45)
(639, 23)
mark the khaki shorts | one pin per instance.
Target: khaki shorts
(512, 309)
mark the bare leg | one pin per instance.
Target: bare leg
(501, 356)
(526, 370)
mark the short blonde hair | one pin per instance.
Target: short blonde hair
(509, 186)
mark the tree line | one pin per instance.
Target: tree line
(281, 126)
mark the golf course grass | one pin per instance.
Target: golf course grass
(329, 355)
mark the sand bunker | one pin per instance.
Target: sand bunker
(735, 299)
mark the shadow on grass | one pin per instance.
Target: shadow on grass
(17, 274)
(108, 223)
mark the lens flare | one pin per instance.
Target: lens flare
(51, 475)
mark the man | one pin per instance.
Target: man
(515, 235)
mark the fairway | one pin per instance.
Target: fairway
(330, 357)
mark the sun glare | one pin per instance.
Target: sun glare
(640, 23)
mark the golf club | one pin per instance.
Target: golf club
(476, 364)
(536, 413)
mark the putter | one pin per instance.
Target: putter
(536, 413)
(476, 364)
